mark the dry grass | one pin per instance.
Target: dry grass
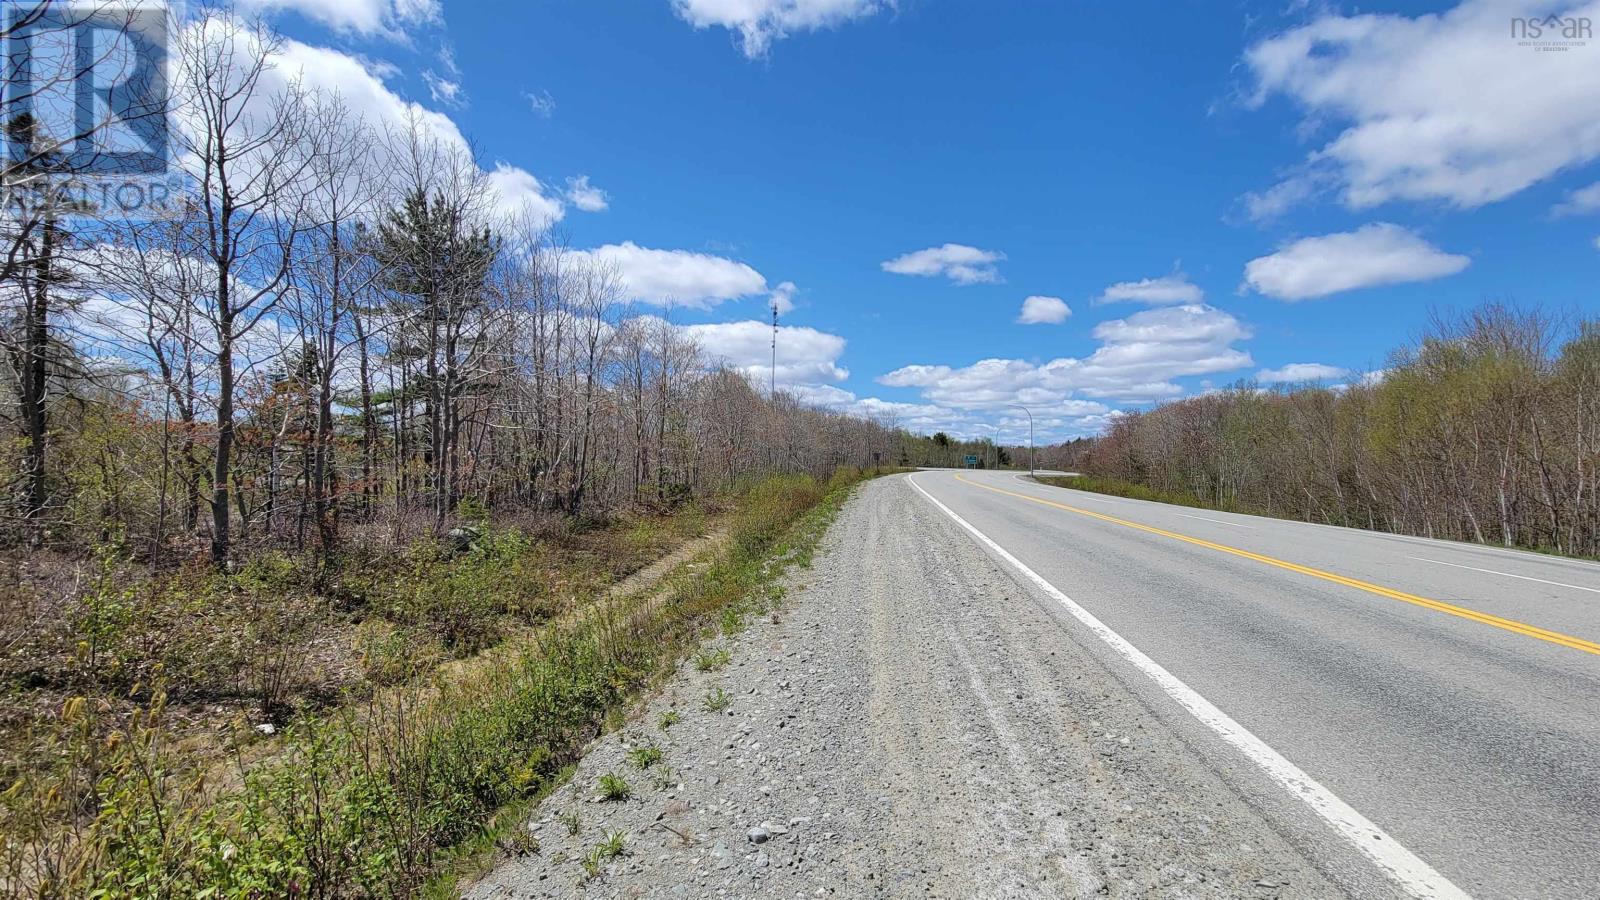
(361, 796)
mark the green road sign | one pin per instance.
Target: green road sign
(972, 461)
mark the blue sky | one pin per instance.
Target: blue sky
(1279, 193)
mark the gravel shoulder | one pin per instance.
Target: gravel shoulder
(912, 721)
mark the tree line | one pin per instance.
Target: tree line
(1486, 428)
(338, 326)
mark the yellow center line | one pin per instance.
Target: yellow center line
(1533, 631)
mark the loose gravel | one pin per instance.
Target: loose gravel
(913, 722)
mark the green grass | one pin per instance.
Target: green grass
(711, 660)
(668, 719)
(412, 783)
(614, 788)
(644, 757)
(716, 700)
(614, 845)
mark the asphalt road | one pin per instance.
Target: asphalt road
(1425, 714)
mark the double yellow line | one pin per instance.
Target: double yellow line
(1533, 631)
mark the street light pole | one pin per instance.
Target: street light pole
(1030, 436)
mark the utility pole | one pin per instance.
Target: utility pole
(772, 381)
(1030, 435)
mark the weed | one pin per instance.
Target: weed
(418, 767)
(711, 660)
(612, 847)
(644, 757)
(520, 842)
(669, 719)
(716, 700)
(664, 777)
(572, 819)
(612, 787)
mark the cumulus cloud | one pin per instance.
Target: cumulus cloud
(363, 17)
(682, 277)
(1174, 288)
(1137, 359)
(1446, 107)
(520, 194)
(1298, 372)
(1580, 202)
(760, 22)
(958, 262)
(585, 196)
(360, 85)
(1038, 310)
(806, 356)
(1376, 254)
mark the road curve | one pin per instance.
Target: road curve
(1447, 694)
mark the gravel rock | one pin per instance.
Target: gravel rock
(913, 723)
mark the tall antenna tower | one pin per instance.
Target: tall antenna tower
(772, 379)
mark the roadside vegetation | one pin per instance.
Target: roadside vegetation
(1486, 429)
(378, 795)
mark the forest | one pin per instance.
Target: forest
(338, 331)
(1485, 428)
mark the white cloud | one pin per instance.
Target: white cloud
(1597, 243)
(1136, 361)
(519, 194)
(1174, 288)
(1044, 311)
(369, 99)
(1443, 107)
(540, 102)
(760, 22)
(806, 356)
(585, 196)
(443, 90)
(682, 277)
(958, 262)
(1582, 201)
(783, 298)
(1298, 372)
(365, 17)
(1281, 197)
(1376, 254)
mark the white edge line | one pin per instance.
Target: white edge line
(1218, 521)
(1404, 868)
(1440, 562)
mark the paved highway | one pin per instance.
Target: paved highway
(1419, 717)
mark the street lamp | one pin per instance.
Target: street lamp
(1030, 435)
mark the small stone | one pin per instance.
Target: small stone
(762, 860)
(267, 728)
(758, 835)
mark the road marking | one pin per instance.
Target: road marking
(1533, 631)
(1218, 521)
(1440, 562)
(1404, 868)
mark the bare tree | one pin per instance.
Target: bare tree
(248, 147)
